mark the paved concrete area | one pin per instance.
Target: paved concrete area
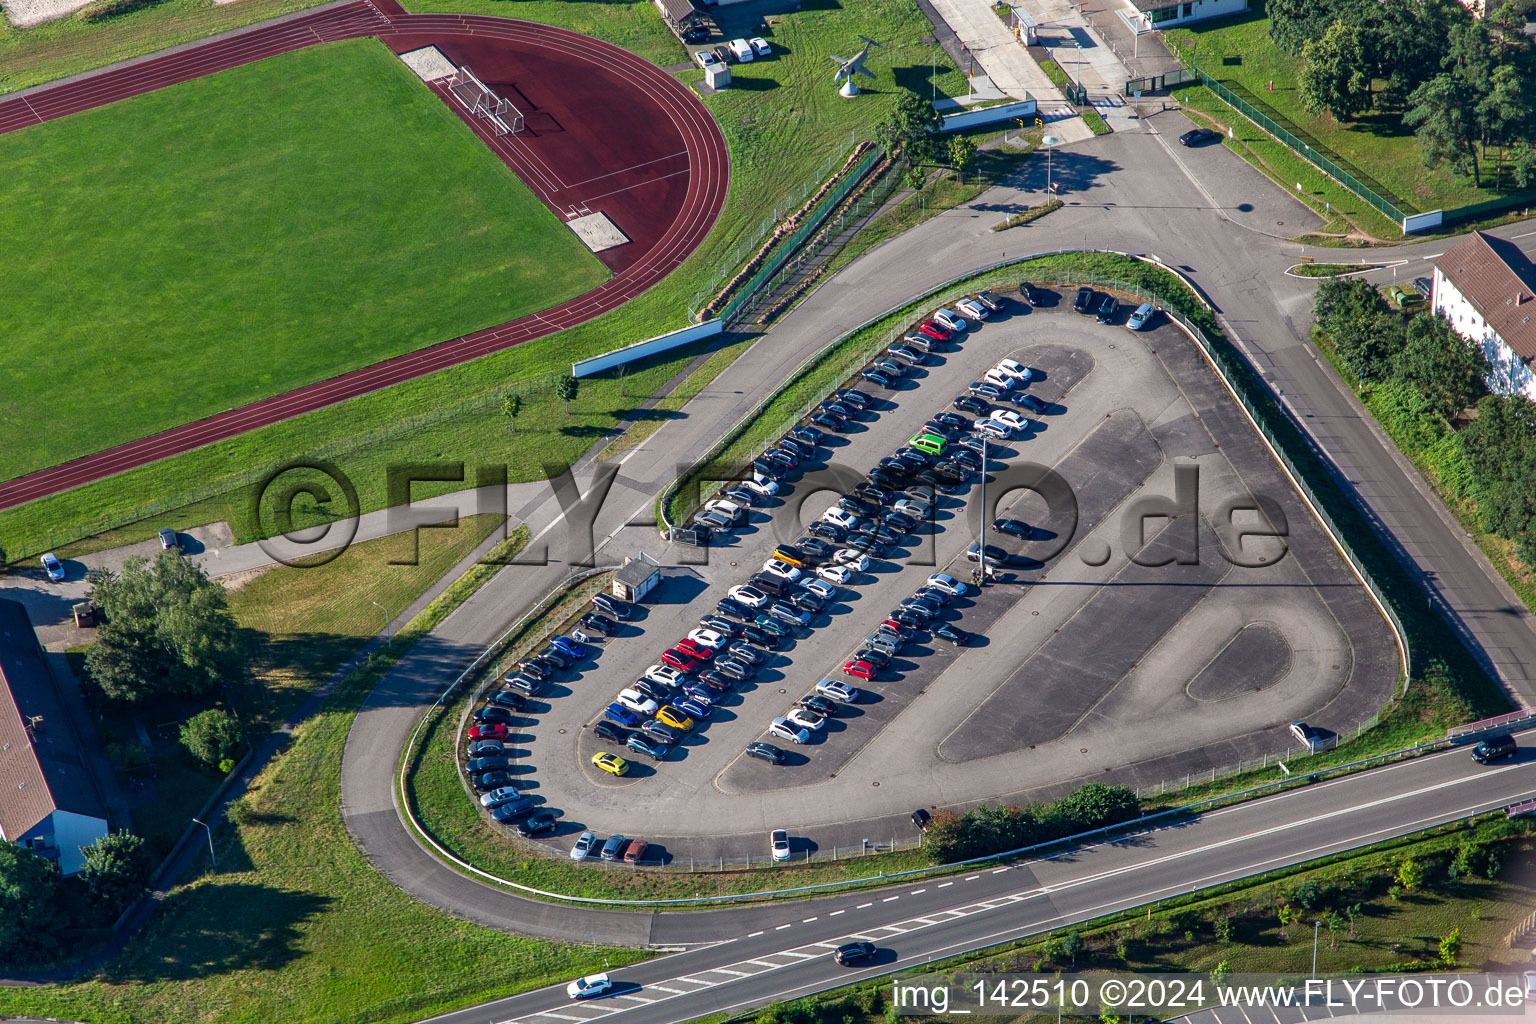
(1085, 659)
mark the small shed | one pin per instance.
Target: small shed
(636, 578)
(718, 76)
(1025, 28)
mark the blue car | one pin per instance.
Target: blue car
(649, 746)
(569, 646)
(694, 708)
(621, 714)
(699, 695)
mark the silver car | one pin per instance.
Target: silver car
(1138, 319)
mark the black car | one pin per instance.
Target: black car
(914, 617)
(771, 470)
(765, 752)
(850, 953)
(485, 748)
(923, 601)
(810, 435)
(515, 809)
(859, 506)
(831, 531)
(831, 422)
(837, 408)
(760, 637)
(1029, 293)
(951, 472)
(921, 818)
(819, 704)
(870, 492)
(1104, 312)
(535, 668)
(1084, 301)
(1032, 403)
(612, 606)
(807, 601)
(740, 495)
(965, 457)
(508, 699)
(491, 780)
(802, 449)
(650, 747)
(492, 713)
(972, 404)
(958, 637)
(994, 303)
(854, 397)
(1014, 528)
(720, 625)
(556, 657)
(715, 680)
(611, 731)
(732, 668)
(481, 765)
(654, 690)
(745, 653)
(770, 585)
(951, 420)
(873, 655)
(879, 378)
(536, 823)
(1495, 748)
(593, 622)
(1198, 137)
(731, 606)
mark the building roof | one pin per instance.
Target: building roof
(636, 571)
(41, 768)
(1500, 282)
(678, 12)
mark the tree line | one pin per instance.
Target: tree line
(985, 830)
(1422, 375)
(43, 914)
(1464, 85)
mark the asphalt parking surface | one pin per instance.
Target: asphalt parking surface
(1088, 663)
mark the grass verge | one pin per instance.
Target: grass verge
(1095, 121)
(354, 223)
(1030, 215)
(671, 404)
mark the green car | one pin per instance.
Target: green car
(933, 444)
(773, 625)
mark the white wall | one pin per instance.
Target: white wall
(72, 831)
(1202, 9)
(1509, 375)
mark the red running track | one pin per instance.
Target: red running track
(616, 134)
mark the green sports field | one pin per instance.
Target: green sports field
(222, 240)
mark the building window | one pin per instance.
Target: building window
(1165, 14)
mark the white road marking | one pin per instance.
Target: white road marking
(914, 892)
(836, 912)
(781, 927)
(888, 899)
(754, 935)
(807, 920)
(946, 885)
(861, 906)
(971, 878)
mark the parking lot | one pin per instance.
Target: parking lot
(1126, 640)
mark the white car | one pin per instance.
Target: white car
(1009, 419)
(783, 730)
(821, 588)
(946, 584)
(1016, 370)
(949, 318)
(591, 985)
(666, 675)
(1001, 379)
(584, 844)
(783, 570)
(497, 797)
(835, 574)
(805, 718)
(837, 690)
(749, 596)
(855, 559)
(741, 50)
(778, 844)
(637, 702)
(724, 507)
(992, 429)
(53, 567)
(840, 517)
(711, 638)
(705, 58)
(972, 308)
(760, 46)
(760, 484)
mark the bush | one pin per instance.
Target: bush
(987, 830)
(117, 868)
(212, 736)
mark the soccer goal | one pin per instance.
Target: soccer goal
(479, 100)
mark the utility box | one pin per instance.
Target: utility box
(636, 578)
(718, 76)
(85, 614)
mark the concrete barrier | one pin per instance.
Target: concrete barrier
(643, 349)
(989, 115)
(1422, 221)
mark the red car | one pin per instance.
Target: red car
(935, 332)
(489, 731)
(860, 668)
(680, 660)
(890, 627)
(695, 650)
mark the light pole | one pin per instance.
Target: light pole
(389, 641)
(1315, 926)
(1049, 142)
(981, 531)
(208, 830)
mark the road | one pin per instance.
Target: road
(753, 955)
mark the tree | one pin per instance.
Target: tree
(1096, 805)
(1292, 23)
(962, 155)
(1221, 972)
(511, 405)
(1504, 112)
(1332, 921)
(1450, 947)
(117, 868)
(1368, 344)
(1072, 945)
(1443, 115)
(212, 735)
(1287, 915)
(28, 902)
(1525, 167)
(1336, 78)
(566, 390)
(1351, 914)
(1445, 367)
(167, 632)
(917, 126)
(1410, 874)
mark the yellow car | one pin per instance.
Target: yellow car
(670, 715)
(613, 764)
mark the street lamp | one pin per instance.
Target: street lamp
(208, 830)
(1315, 926)
(981, 530)
(388, 640)
(1049, 142)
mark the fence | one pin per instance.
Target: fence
(1300, 148)
(1524, 716)
(787, 249)
(1157, 82)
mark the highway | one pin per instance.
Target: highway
(757, 954)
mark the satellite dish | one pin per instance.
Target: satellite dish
(847, 68)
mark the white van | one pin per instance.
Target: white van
(741, 50)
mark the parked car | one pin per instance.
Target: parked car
(498, 796)
(951, 320)
(53, 567)
(972, 404)
(1423, 286)
(706, 59)
(509, 699)
(491, 780)
(994, 303)
(1029, 293)
(515, 809)
(935, 331)
(583, 846)
(1084, 301)
(611, 606)
(785, 731)
(951, 634)
(536, 823)
(634, 853)
(880, 378)
(492, 713)
(613, 846)
(622, 715)
(482, 765)
(760, 46)
(973, 309)
(837, 690)
(168, 541)
(1013, 528)
(944, 583)
(766, 752)
(831, 422)
(611, 731)
(819, 704)
(1140, 316)
(1106, 309)
(778, 844)
(1198, 137)
(860, 669)
(649, 746)
(1307, 736)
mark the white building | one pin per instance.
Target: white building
(1487, 290)
(48, 799)
(1160, 14)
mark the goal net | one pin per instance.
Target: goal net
(478, 99)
